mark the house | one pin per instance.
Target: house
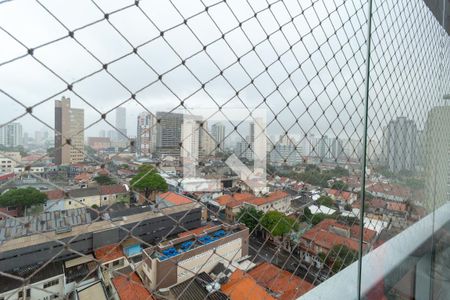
(397, 214)
(390, 191)
(55, 200)
(83, 197)
(342, 197)
(168, 199)
(278, 200)
(329, 233)
(281, 282)
(129, 287)
(242, 286)
(47, 283)
(110, 194)
(82, 178)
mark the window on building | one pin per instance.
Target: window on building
(104, 198)
(116, 263)
(51, 283)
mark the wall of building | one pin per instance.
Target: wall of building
(150, 231)
(38, 291)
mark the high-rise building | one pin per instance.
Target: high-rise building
(218, 133)
(11, 135)
(69, 133)
(146, 135)
(401, 144)
(323, 148)
(337, 149)
(436, 157)
(121, 124)
(285, 151)
(207, 144)
(168, 134)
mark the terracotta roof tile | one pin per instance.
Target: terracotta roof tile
(112, 189)
(108, 253)
(55, 194)
(132, 288)
(280, 281)
(242, 286)
(175, 198)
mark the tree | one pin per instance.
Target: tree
(249, 216)
(325, 201)
(319, 217)
(22, 198)
(104, 180)
(339, 185)
(277, 223)
(148, 181)
(341, 256)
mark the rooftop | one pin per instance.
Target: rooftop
(242, 286)
(55, 194)
(109, 253)
(195, 289)
(196, 231)
(131, 287)
(50, 270)
(287, 285)
(26, 241)
(174, 198)
(112, 189)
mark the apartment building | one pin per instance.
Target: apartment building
(69, 133)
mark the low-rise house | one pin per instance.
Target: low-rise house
(278, 200)
(241, 286)
(55, 200)
(390, 191)
(47, 283)
(282, 283)
(8, 161)
(397, 214)
(329, 233)
(342, 197)
(129, 287)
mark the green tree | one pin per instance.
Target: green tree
(340, 256)
(22, 198)
(325, 201)
(277, 223)
(339, 185)
(319, 217)
(249, 216)
(104, 180)
(148, 181)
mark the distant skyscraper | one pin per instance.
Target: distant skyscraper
(337, 149)
(11, 135)
(207, 144)
(285, 151)
(121, 124)
(401, 144)
(146, 135)
(324, 146)
(168, 132)
(218, 133)
(69, 133)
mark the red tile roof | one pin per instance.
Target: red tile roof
(390, 189)
(112, 189)
(85, 177)
(131, 288)
(108, 253)
(175, 198)
(55, 194)
(396, 206)
(280, 281)
(242, 286)
(323, 237)
(346, 196)
(223, 200)
(272, 197)
(377, 203)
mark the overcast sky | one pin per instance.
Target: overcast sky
(321, 76)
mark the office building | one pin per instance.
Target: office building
(401, 144)
(146, 135)
(168, 134)
(11, 135)
(69, 133)
(218, 133)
